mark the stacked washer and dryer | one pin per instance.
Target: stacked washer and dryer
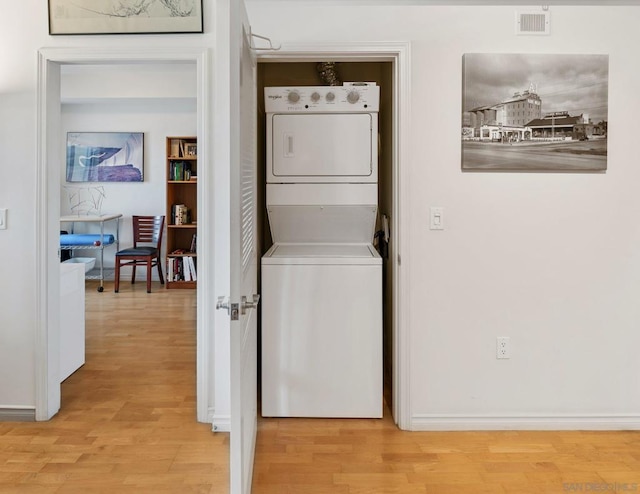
(322, 277)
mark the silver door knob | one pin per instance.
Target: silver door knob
(249, 305)
(222, 304)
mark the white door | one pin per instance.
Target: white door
(244, 259)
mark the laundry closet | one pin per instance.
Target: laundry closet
(349, 222)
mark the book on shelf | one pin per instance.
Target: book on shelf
(175, 169)
(174, 148)
(174, 208)
(174, 269)
(180, 214)
(189, 268)
(178, 148)
(169, 269)
(180, 171)
(192, 268)
(180, 267)
(194, 243)
(186, 271)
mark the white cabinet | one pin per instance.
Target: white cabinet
(71, 318)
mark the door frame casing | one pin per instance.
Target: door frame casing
(48, 168)
(399, 53)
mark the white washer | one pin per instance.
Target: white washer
(322, 278)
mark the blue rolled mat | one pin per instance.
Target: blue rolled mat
(76, 239)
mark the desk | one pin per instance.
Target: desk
(99, 244)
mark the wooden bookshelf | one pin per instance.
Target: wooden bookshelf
(182, 211)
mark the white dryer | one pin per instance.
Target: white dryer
(322, 278)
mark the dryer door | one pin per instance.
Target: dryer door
(322, 148)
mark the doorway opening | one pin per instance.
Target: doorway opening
(88, 103)
(306, 73)
(50, 169)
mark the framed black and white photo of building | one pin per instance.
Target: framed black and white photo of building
(534, 112)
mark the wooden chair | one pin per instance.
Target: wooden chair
(147, 230)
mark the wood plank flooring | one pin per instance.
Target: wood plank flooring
(127, 425)
(128, 418)
(317, 456)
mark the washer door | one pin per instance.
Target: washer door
(318, 147)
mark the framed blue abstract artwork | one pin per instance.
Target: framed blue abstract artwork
(105, 156)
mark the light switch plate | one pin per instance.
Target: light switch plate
(3, 219)
(436, 221)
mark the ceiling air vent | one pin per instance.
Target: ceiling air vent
(536, 23)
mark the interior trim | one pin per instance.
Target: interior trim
(525, 422)
(17, 414)
(399, 53)
(47, 399)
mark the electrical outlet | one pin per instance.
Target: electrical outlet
(503, 347)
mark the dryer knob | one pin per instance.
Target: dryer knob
(330, 97)
(315, 96)
(293, 97)
(353, 97)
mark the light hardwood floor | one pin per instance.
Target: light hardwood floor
(128, 425)
(372, 456)
(128, 420)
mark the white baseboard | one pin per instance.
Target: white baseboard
(219, 422)
(17, 415)
(525, 422)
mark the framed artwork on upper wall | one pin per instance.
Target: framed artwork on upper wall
(125, 16)
(105, 156)
(535, 112)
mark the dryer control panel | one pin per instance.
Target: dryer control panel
(352, 97)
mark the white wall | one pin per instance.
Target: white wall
(550, 260)
(17, 139)
(17, 282)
